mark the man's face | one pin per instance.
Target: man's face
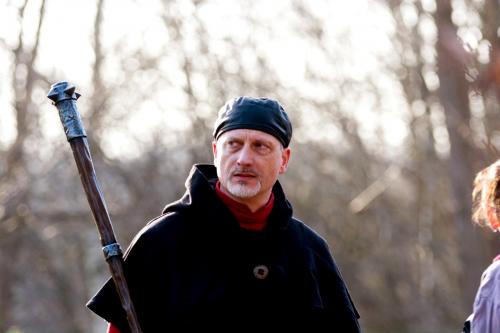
(248, 164)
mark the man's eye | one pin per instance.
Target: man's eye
(261, 147)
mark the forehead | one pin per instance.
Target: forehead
(248, 134)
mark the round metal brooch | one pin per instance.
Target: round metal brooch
(260, 272)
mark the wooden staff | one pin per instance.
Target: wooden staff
(64, 97)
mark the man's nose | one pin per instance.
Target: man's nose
(245, 155)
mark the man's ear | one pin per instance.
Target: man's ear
(214, 149)
(285, 158)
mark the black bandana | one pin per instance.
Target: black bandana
(262, 114)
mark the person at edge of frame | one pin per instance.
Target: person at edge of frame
(229, 255)
(485, 317)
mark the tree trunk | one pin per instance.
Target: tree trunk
(453, 94)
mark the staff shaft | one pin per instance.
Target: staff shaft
(64, 97)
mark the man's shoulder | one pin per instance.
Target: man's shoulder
(164, 228)
(308, 235)
(159, 234)
(300, 226)
(166, 223)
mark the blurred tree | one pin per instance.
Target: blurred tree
(15, 177)
(394, 208)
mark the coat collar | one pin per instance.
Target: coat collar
(200, 195)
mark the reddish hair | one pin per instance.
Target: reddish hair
(486, 197)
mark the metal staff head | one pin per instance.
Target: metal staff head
(64, 96)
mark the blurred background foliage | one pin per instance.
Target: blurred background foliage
(395, 106)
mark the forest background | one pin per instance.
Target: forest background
(395, 106)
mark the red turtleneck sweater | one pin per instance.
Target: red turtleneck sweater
(246, 218)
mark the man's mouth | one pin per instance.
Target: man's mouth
(244, 175)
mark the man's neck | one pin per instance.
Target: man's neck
(247, 219)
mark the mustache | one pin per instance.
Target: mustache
(247, 171)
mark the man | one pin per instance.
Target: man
(228, 255)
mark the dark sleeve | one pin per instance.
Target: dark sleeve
(106, 303)
(334, 291)
(333, 267)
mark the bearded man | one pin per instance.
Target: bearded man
(229, 255)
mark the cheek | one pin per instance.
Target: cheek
(272, 169)
(223, 162)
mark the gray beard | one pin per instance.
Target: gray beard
(243, 191)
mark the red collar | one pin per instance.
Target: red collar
(246, 218)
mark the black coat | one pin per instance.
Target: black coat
(193, 268)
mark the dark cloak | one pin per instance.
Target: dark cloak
(192, 268)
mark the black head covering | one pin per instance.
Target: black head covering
(263, 114)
